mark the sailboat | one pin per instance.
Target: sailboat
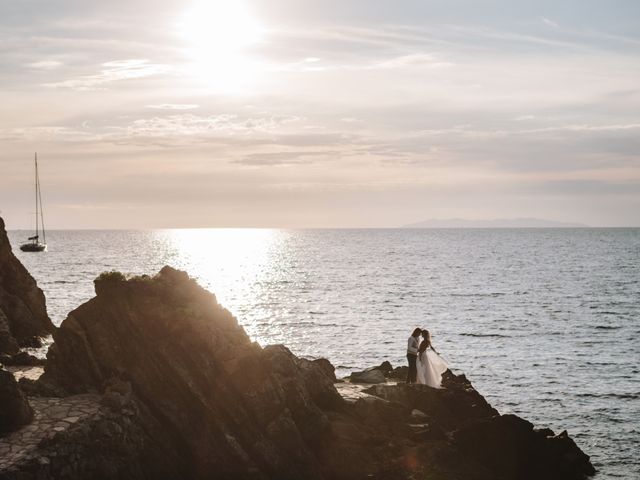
(34, 244)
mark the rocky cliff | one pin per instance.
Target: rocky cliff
(226, 405)
(182, 393)
(23, 313)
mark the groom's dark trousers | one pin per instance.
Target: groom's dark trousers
(413, 371)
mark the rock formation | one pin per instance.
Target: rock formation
(15, 410)
(225, 404)
(370, 375)
(185, 394)
(8, 344)
(505, 445)
(23, 313)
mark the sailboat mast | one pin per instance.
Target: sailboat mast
(36, 163)
(44, 234)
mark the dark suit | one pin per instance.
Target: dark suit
(412, 358)
(413, 371)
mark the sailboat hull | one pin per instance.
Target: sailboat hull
(33, 247)
(34, 244)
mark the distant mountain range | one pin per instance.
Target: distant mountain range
(495, 223)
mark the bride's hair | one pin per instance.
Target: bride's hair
(426, 335)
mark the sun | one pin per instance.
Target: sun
(217, 35)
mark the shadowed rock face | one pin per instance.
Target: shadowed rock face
(511, 447)
(187, 395)
(226, 405)
(8, 344)
(503, 446)
(23, 313)
(15, 410)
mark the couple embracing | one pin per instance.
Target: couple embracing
(425, 365)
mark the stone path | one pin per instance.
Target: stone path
(51, 415)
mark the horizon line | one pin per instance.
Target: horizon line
(585, 227)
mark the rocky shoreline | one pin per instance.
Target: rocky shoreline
(153, 379)
(23, 312)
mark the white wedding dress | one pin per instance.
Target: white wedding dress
(430, 368)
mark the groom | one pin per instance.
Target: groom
(412, 355)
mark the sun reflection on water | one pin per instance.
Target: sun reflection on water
(235, 264)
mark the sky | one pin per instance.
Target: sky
(299, 113)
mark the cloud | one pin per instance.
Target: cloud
(468, 131)
(45, 64)
(113, 72)
(197, 125)
(46, 134)
(173, 106)
(583, 187)
(414, 60)
(288, 157)
(585, 128)
(549, 23)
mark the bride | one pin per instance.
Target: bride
(430, 365)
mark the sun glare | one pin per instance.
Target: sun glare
(218, 34)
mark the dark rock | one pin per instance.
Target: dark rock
(384, 367)
(448, 407)
(368, 376)
(371, 411)
(372, 374)
(38, 388)
(23, 313)
(506, 446)
(510, 447)
(326, 367)
(5, 359)
(15, 410)
(8, 344)
(319, 379)
(24, 359)
(398, 373)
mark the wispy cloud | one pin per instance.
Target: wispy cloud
(549, 23)
(45, 64)
(112, 72)
(288, 157)
(173, 106)
(585, 128)
(46, 134)
(179, 126)
(414, 60)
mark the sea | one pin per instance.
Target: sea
(544, 322)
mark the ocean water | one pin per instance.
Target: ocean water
(545, 322)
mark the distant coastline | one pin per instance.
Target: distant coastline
(494, 223)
